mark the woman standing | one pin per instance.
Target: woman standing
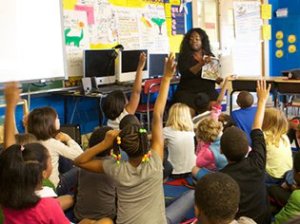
(194, 53)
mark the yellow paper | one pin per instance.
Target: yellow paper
(69, 4)
(266, 32)
(175, 42)
(175, 2)
(168, 10)
(266, 11)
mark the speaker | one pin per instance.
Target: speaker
(86, 85)
(73, 130)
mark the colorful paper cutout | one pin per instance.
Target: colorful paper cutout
(279, 35)
(292, 49)
(292, 38)
(89, 12)
(279, 54)
(266, 11)
(279, 43)
(266, 32)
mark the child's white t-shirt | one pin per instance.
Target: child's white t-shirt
(115, 123)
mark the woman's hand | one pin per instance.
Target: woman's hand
(207, 59)
(198, 57)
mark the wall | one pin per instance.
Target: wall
(288, 26)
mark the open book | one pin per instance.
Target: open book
(211, 70)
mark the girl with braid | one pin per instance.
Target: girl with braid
(138, 180)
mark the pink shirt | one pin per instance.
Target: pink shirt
(205, 157)
(46, 211)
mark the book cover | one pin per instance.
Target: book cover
(211, 70)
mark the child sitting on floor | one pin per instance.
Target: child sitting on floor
(249, 172)
(179, 139)
(279, 152)
(244, 116)
(116, 106)
(217, 199)
(138, 180)
(96, 192)
(209, 132)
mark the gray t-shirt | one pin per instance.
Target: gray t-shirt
(139, 190)
(96, 196)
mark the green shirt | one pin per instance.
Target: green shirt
(290, 210)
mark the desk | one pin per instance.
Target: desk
(102, 92)
(280, 86)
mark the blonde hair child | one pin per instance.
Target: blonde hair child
(179, 139)
(279, 154)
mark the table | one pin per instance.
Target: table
(280, 86)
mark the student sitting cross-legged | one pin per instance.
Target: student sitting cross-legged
(138, 180)
(249, 171)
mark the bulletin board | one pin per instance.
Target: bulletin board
(285, 45)
(136, 24)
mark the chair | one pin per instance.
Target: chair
(150, 87)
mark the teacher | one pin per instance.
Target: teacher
(194, 53)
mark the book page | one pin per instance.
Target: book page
(211, 70)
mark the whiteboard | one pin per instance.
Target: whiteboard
(31, 40)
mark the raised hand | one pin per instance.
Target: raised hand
(142, 61)
(170, 66)
(262, 90)
(12, 94)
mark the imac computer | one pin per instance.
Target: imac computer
(156, 65)
(126, 65)
(99, 65)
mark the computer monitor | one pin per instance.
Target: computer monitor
(100, 66)
(156, 65)
(126, 65)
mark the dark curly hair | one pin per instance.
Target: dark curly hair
(185, 47)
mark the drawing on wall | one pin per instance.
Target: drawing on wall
(145, 21)
(159, 22)
(136, 25)
(75, 40)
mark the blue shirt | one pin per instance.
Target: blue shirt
(244, 119)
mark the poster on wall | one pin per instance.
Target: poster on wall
(247, 26)
(76, 39)
(153, 29)
(106, 23)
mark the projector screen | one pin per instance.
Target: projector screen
(31, 40)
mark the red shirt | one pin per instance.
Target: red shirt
(46, 211)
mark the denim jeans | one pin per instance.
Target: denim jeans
(176, 211)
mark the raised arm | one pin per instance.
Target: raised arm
(262, 94)
(12, 96)
(157, 143)
(137, 86)
(223, 90)
(86, 159)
